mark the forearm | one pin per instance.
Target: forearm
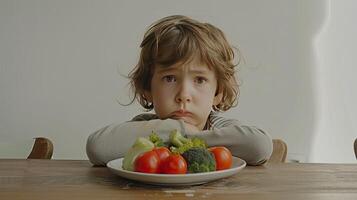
(113, 141)
(249, 143)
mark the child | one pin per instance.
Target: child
(185, 73)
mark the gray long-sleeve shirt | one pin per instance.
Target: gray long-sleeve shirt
(113, 141)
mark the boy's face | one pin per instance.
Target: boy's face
(184, 92)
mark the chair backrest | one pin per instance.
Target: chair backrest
(280, 149)
(355, 147)
(42, 149)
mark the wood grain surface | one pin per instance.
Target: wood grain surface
(77, 179)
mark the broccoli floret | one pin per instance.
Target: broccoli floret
(140, 146)
(177, 139)
(198, 142)
(155, 138)
(180, 144)
(181, 149)
(199, 160)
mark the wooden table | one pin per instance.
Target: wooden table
(72, 179)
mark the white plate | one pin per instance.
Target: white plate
(175, 179)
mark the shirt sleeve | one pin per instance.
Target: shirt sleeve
(246, 142)
(114, 140)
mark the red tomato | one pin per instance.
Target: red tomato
(174, 164)
(162, 152)
(148, 162)
(223, 157)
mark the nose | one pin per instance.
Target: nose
(183, 95)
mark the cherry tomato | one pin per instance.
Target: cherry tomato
(223, 157)
(148, 162)
(174, 164)
(162, 152)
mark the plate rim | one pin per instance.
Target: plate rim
(179, 179)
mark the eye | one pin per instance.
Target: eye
(169, 78)
(200, 80)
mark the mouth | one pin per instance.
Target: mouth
(181, 114)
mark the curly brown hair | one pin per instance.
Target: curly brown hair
(179, 38)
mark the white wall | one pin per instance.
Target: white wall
(336, 54)
(61, 64)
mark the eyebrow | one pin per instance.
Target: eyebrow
(169, 69)
(198, 71)
(161, 70)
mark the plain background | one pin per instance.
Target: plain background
(63, 66)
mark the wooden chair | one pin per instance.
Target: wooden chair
(280, 149)
(355, 147)
(42, 149)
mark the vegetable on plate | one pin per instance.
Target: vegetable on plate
(174, 164)
(162, 152)
(180, 144)
(140, 146)
(148, 162)
(199, 160)
(178, 155)
(222, 156)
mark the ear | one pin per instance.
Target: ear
(148, 95)
(218, 98)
